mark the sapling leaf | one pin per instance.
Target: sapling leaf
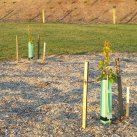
(104, 64)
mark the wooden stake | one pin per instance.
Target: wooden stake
(38, 50)
(127, 103)
(17, 49)
(44, 52)
(43, 15)
(114, 14)
(119, 83)
(84, 116)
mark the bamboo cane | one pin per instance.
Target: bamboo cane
(127, 103)
(108, 113)
(43, 15)
(107, 105)
(84, 116)
(44, 52)
(114, 14)
(38, 50)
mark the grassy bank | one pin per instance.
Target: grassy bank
(67, 38)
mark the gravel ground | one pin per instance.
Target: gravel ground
(45, 100)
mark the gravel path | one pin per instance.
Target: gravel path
(45, 100)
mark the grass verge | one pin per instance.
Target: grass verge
(67, 38)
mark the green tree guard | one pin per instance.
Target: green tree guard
(106, 102)
(30, 50)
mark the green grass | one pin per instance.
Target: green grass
(67, 38)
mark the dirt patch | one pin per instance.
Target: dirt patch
(69, 11)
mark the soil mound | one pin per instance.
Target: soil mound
(69, 11)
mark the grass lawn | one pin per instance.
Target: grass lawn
(67, 38)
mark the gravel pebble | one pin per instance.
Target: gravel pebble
(45, 100)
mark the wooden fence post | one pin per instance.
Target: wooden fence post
(85, 91)
(17, 49)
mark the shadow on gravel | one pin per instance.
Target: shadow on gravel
(71, 97)
(133, 114)
(55, 95)
(54, 59)
(12, 86)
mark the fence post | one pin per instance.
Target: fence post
(84, 116)
(17, 49)
(44, 52)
